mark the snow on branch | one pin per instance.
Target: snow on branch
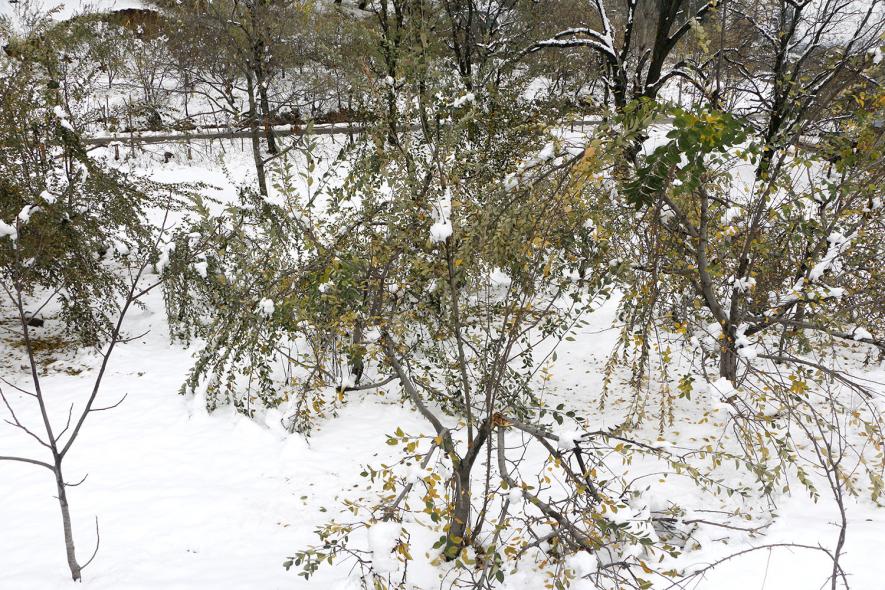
(574, 42)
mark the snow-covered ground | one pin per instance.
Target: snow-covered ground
(183, 499)
(190, 500)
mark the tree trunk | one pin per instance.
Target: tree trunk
(392, 116)
(268, 124)
(356, 354)
(728, 356)
(264, 103)
(66, 523)
(255, 135)
(258, 61)
(460, 518)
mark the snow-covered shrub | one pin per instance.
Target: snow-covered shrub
(750, 260)
(468, 320)
(64, 216)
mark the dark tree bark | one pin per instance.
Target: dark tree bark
(255, 137)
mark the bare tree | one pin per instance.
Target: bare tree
(234, 50)
(641, 60)
(59, 441)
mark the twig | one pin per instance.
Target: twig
(111, 407)
(97, 544)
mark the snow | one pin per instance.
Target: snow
(745, 347)
(745, 284)
(720, 390)
(7, 230)
(414, 473)
(62, 118)
(383, 537)
(25, 215)
(835, 292)
(462, 100)
(748, 352)
(202, 269)
(620, 516)
(266, 308)
(187, 499)
(120, 247)
(184, 499)
(567, 439)
(546, 153)
(500, 279)
(166, 252)
(861, 334)
(838, 244)
(440, 231)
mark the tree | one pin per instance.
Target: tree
(639, 62)
(233, 50)
(76, 238)
(786, 109)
